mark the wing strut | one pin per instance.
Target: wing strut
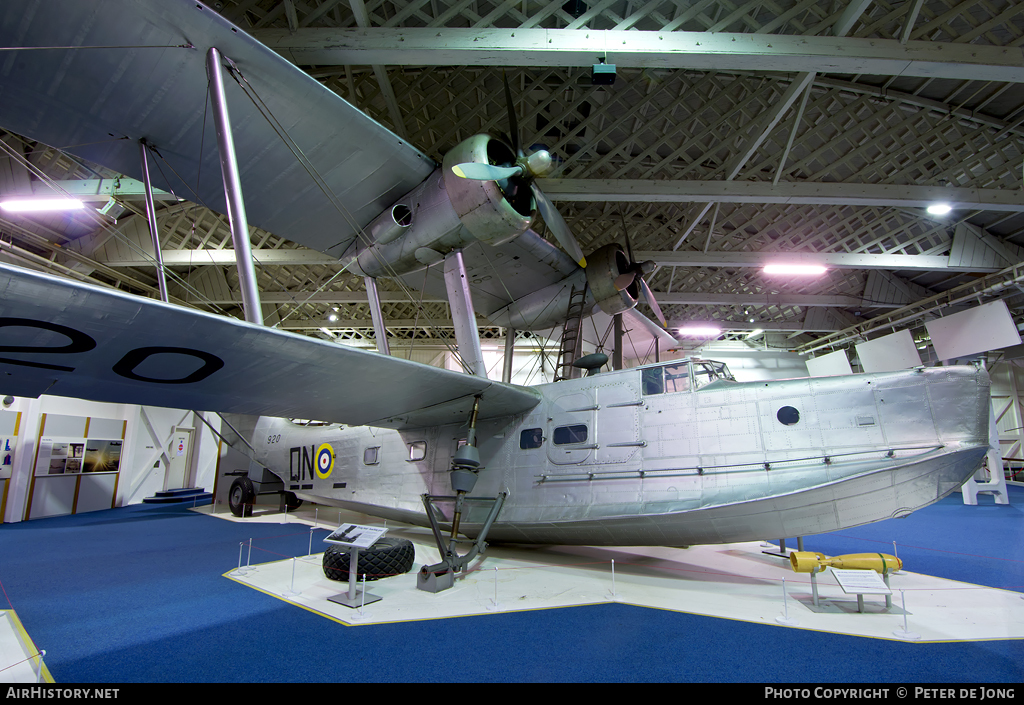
(466, 334)
(233, 191)
(377, 316)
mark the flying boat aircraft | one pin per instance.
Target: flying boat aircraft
(675, 453)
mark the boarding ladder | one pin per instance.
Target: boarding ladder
(572, 335)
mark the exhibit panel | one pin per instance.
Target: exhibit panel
(10, 426)
(77, 465)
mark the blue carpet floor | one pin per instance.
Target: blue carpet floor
(136, 595)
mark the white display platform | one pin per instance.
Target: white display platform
(731, 581)
(18, 660)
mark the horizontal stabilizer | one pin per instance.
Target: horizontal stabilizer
(69, 339)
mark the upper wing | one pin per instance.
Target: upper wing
(68, 339)
(97, 102)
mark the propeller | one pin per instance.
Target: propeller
(526, 169)
(637, 271)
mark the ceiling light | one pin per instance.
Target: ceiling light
(700, 330)
(333, 317)
(939, 208)
(806, 269)
(30, 205)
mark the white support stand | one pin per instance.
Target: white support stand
(996, 484)
(614, 595)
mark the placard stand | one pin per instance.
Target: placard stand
(355, 537)
(863, 582)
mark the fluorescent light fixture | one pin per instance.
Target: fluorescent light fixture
(754, 333)
(807, 269)
(939, 208)
(34, 205)
(700, 331)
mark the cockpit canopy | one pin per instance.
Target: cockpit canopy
(684, 375)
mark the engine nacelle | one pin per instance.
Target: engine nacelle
(603, 267)
(490, 214)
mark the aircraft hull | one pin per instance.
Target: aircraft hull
(722, 463)
(892, 490)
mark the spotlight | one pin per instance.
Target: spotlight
(939, 209)
(602, 74)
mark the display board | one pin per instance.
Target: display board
(77, 463)
(889, 353)
(835, 363)
(979, 329)
(10, 425)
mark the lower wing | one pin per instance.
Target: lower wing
(69, 339)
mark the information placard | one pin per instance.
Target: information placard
(860, 582)
(356, 535)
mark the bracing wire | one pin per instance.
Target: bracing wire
(324, 187)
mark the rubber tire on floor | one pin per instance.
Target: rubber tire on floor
(387, 557)
(241, 497)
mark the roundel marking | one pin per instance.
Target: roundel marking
(324, 461)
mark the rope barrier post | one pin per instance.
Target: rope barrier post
(614, 594)
(39, 666)
(905, 633)
(292, 592)
(494, 606)
(240, 570)
(311, 530)
(784, 619)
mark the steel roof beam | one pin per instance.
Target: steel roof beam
(712, 51)
(800, 193)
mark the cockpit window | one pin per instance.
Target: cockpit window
(652, 380)
(677, 377)
(706, 371)
(668, 378)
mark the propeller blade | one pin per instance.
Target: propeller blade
(629, 245)
(649, 297)
(513, 124)
(558, 226)
(624, 280)
(485, 172)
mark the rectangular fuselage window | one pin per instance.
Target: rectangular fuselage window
(371, 455)
(417, 450)
(531, 438)
(565, 435)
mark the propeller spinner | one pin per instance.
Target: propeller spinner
(525, 170)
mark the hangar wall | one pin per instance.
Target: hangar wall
(68, 455)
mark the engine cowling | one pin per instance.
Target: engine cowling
(490, 214)
(603, 267)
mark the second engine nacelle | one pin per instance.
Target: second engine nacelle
(603, 267)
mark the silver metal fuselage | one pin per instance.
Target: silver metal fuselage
(726, 462)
